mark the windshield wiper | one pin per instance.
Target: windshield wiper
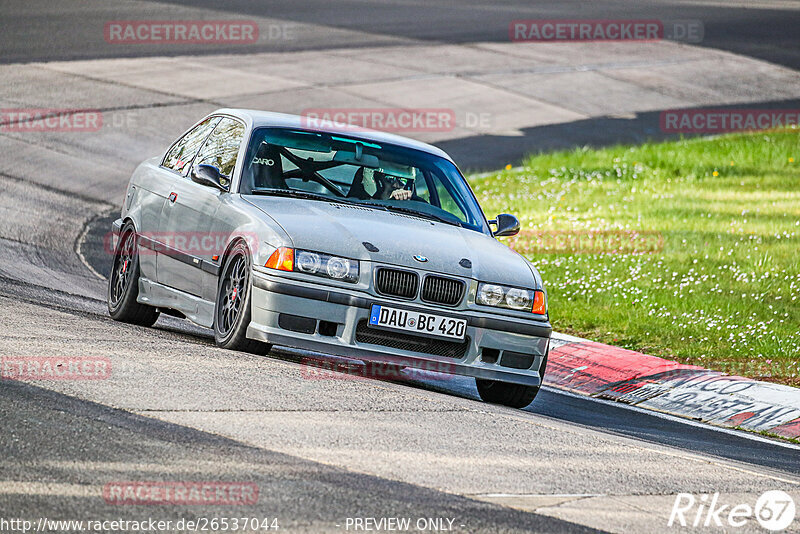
(370, 205)
(294, 193)
(425, 215)
(420, 214)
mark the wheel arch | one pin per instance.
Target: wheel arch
(233, 242)
(128, 219)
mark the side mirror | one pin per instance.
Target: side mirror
(209, 175)
(506, 224)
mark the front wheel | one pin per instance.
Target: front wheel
(513, 395)
(232, 308)
(123, 283)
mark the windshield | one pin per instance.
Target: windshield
(332, 167)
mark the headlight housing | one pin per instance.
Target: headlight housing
(315, 263)
(512, 298)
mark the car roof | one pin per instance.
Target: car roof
(260, 119)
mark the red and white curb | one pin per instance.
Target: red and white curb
(598, 370)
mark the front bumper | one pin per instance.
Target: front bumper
(490, 337)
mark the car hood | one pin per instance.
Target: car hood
(342, 230)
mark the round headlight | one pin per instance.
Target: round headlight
(308, 262)
(490, 294)
(338, 267)
(518, 299)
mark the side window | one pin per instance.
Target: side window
(222, 146)
(185, 149)
(421, 186)
(446, 200)
(449, 203)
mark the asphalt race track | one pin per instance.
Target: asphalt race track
(325, 451)
(36, 31)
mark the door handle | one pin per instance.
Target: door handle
(173, 197)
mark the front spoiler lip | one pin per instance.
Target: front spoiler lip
(529, 378)
(335, 297)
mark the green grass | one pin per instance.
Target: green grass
(722, 288)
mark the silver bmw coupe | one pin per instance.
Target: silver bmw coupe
(333, 239)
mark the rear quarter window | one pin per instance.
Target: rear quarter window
(184, 150)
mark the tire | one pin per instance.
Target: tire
(232, 306)
(123, 283)
(513, 395)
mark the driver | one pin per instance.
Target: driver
(390, 187)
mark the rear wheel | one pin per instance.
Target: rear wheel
(232, 309)
(123, 283)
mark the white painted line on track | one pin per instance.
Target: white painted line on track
(674, 418)
(79, 245)
(661, 415)
(565, 495)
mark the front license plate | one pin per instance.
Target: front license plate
(417, 322)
